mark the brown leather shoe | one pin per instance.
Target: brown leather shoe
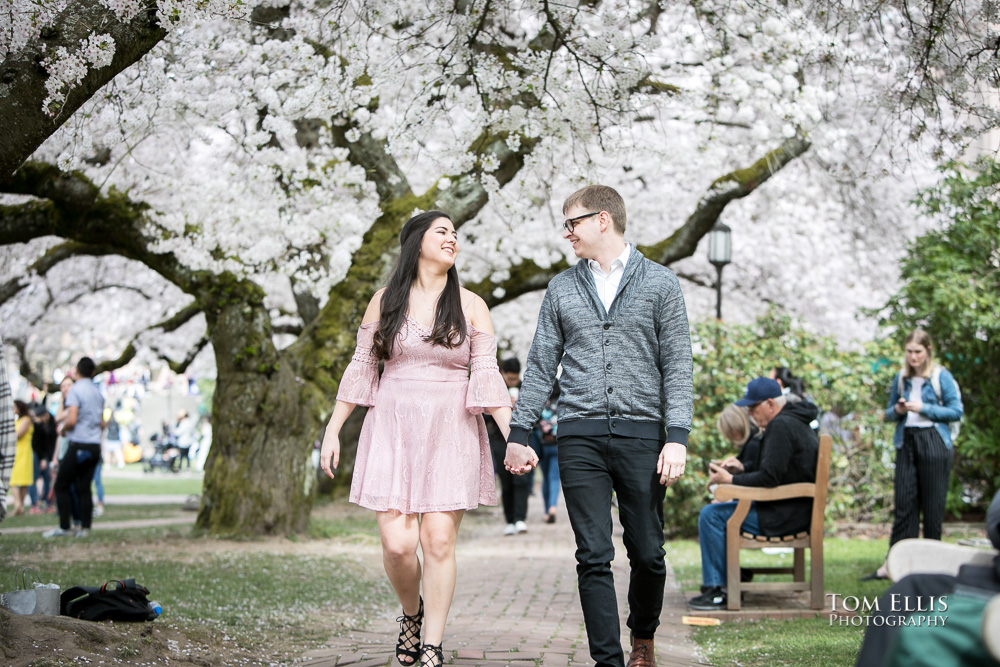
(642, 653)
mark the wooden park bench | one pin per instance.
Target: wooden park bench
(811, 539)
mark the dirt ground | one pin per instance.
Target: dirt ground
(69, 641)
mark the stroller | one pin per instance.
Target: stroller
(166, 455)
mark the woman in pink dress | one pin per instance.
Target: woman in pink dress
(423, 456)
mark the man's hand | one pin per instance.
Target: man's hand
(719, 475)
(670, 465)
(329, 454)
(520, 459)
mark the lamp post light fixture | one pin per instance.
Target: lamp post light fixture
(720, 253)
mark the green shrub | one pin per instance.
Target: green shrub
(849, 386)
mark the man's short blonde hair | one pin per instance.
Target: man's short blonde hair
(599, 198)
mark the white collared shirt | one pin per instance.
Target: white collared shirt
(608, 283)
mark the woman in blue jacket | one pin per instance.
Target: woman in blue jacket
(923, 400)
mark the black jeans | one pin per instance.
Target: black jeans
(77, 467)
(590, 467)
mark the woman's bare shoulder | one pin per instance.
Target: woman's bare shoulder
(477, 311)
(374, 310)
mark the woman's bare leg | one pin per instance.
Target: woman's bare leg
(438, 535)
(400, 535)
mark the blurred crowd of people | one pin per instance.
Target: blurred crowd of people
(96, 420)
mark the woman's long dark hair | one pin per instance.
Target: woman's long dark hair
(449, 318)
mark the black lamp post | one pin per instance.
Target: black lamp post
(720, 253)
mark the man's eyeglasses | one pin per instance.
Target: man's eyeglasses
(570, 224)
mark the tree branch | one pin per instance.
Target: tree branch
(182, 365)
(467, 196)
(127, 355)
(43, 264)
(73, 208)
(734, 185)
(24, 79)
(172, 323)
(293, 329)
(527, 276)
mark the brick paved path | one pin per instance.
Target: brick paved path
(516, 604)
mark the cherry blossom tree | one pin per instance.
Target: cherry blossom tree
(237, 191)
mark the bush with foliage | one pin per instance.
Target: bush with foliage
(952, 290)
(850, 388)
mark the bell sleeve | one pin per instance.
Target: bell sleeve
(360, 382)
(486, 386)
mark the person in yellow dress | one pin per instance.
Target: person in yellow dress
(23, 473)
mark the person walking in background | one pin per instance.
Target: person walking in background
(43, 444)
(186, 433)
(617, 324)
(543, 440)
(8, 434)
(514, 489)
(113, 451)
(423, 456)
(98, 483)
(22, 475)
(83, 426)
(204, 442)
(62, 446)
(923, 400)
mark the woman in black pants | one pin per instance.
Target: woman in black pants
(923, 400)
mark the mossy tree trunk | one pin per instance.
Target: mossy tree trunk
(258, 476)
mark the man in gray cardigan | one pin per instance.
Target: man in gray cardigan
(617, 323)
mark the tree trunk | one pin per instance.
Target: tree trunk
(258, 477)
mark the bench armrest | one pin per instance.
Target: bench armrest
(736, 492)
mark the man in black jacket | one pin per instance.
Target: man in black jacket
(788, 455)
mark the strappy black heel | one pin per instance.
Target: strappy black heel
(431, 656)
(408, 645)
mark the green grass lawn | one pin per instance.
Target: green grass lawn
(800, 642)
(261, 596)
(111, 513)
(152, 483)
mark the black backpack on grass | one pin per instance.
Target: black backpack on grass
(114, 601)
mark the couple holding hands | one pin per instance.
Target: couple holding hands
(616, 323)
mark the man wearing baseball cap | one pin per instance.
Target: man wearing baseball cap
(788, 455)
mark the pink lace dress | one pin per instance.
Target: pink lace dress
(423, 446)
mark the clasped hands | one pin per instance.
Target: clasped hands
(520, 459)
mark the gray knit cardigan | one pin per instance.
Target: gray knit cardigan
(626, 372)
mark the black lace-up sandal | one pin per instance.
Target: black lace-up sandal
(431, 656)
(408, 645)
